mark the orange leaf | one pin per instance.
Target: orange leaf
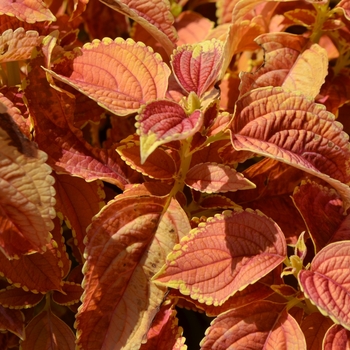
(154, 15)
(260, 325)
(210, 266)
(292, 62)
(73, 294)
(292, 129)
(127, 243)
(47, 331)
(18, 45)
(213, 178)
(17, 298)
(26, 192)
(13, 321)
(119, 75)
(336, 338)
(29, 11)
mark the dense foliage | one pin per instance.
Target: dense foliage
(157, 156)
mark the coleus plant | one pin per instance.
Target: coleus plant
(155, 156)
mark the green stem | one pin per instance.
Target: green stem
(322, 16)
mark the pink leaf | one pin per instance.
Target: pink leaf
(336, 338)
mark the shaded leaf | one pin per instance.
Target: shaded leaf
(47, 331)
(221, 257)
(17, 298)
(290, 128)
(73, 293)
(119, 75)
(127, 243)
(327, 283)
(13, 321)
(314, 327)
(196, 66)
(291, 61)
(155, 16)
(17, 45)
(260, 325)
(26, 192)
(29, 11)
(336, 338)
(163, 121)
(213, 178)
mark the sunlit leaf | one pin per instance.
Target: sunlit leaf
(196, 66)
(17, 45)
(327, 283)
(336, 338)
(163, 121)
(314, 327)
(47, 331)
(12, 320)
(223, 256)
(292, 129)
(29, 11)
(260, 325)
(213, 178)
(119, 75)
(26, 192)
(127, 243)
(292, 62)
(155, 16)
(17, 298)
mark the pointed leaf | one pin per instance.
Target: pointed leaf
(327, 283)
(13, 321)
(260, 325)
(292, 62)
(29, 11)
(197, 66)
(163, 121)
(290, 128)
(222, 267)
(127, 243)
(26, 193)
(73, 292)
(119, 75)
(213, 178)
(17, 298)
(159, 165)
(17, 45)
(155, 16)
(336, 338)
(46, 331)
(314, 327)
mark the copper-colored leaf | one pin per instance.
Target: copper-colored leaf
(17, 45)
(327, 283)
(29, 11)
(155, 16)
(336, 338)
(119, 75)
(12, 320)
(223, 256)
(292, 62)
(196, 66)
(73, 292)
(290, 128)
(314, 327)
(260, 325)
(163, 121)
(213, 178)
(26, 192)
(17, 298)
(47, 331)
(127, 243)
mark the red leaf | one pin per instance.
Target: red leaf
(127, 243)
(260, 325)
(336, 338)
(327, 284)
(197, 66)
(119, 75)
(213, 178)
(47, 331)
(163, 121)
(13, 321)
(17, 298)
(73, 293)
(210, 266)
